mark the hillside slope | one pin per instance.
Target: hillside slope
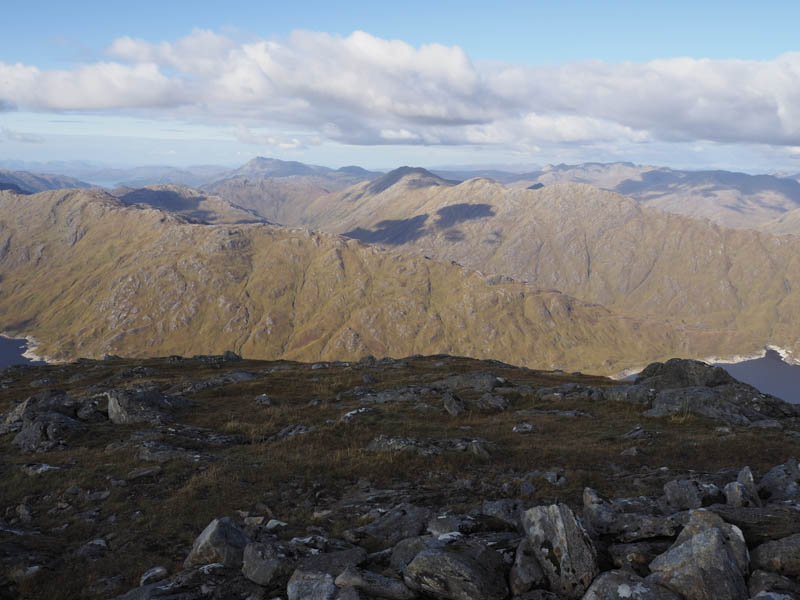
(86, 275)
(596, 245)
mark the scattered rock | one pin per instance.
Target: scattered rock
(781, 482)
(684, 494)
(263, 563)
(454, 405)
(373, 584)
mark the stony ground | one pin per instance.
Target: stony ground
(112, 469)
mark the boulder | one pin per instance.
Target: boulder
(626, 519)
(630, 394)
(742, 492)
(637, 556)
(42, 432)
(463, 570)
(761, 525)
(454, 405)
(403, 521)
(700, 520)
(315, 576)
(622, 585)
(780, 556)
(222, 541)
(781, 482)
(526, 573)
(142, 405)
(766, 581)
(264, 563)
(373, 584)
(681, 373)
(701, 568)
(562, 548)
(507, 510)
(684, 494)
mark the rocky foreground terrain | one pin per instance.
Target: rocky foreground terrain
(428, 477)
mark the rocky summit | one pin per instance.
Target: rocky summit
(430, 477)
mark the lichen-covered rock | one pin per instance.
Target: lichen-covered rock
(681, 373)
(222, 541)
(701, 568)
(562, 548)
(781, 556)
(700, 520)
(314, 577)
(622, 585)
(459, 571)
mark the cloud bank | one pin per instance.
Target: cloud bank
(361, 89)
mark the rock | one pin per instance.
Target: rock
(263, 563)
(454, 405)
(374, 585)
(221, 541)
(492, 402)
(93, 550)
(701, 520)
(42, 432)
(761, 525)
(523, 428)
(632, 451)
(526, 573)
(292, 431)
(682, 373)
(701, 568)
(351, 415)
(637, 556)
(766, 424)
(765, 581)
(142, 405)
(405, 550)
(385, 443)
(311, 586)
(621, 585)
(153, 575)
(781, 482)
(403, 521)
(684, 494)
(780, 556)
(144, 472)
(461, 571)
(562, 548)
(509, 511)
(314, 578)
(737, 494)
(264, 400)
(630, 394)
(626, 519)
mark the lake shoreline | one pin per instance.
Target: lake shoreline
(30, 347)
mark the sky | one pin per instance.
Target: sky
(681, 84)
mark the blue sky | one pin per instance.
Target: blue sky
(685, 84)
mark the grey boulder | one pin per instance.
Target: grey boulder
(222, 541)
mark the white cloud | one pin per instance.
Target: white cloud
(361, 89)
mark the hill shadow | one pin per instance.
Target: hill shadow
(392, 231)
(458, 213)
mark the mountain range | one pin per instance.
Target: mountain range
(566, 275)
